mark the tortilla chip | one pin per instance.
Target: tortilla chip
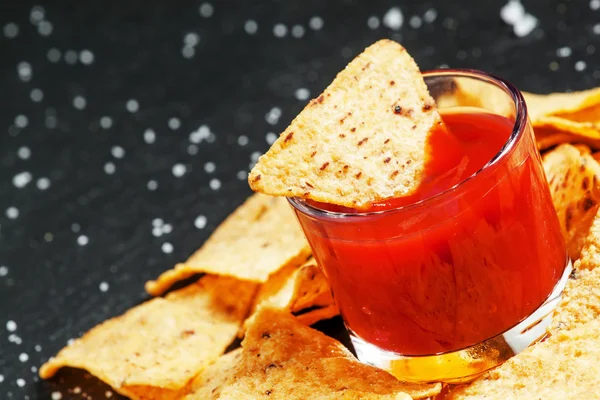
(361, 141)
(574, 184)
(155, 349)
(284, 359)
(566, 366)
(580, 302)
(318, 314)
(547, 138)
(469, 93)
(590, 253)
(296, 289)
(587, 130)
(576, 106)
(257, 239)
(583, 149)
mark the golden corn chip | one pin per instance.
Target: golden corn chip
(547, 138)
(318, 314)
(283, 359)
(257, 239)
(472, 93)
(566, 366)
(583, 148)
(296, 289)
(576, 106)
(363, 140)
(587, 130)
(155, 349)
(589, 258)
(574, 185)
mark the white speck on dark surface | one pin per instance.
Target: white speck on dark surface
(243, 140)
(393, 19)
(103, 286)
(12, 212)
(280, 30)
(13, 338)
(302, 94)
(178, 170)
(210, 167)
(37, 348)
(79, 102)
(214, 184)
(251, 27)
(82, 240)
(158, 222)
(70, 341)
(34, 369)
(149, 136)
(200, 134)
(270, 137)
(373, 22)
(117, 152)
(580, 66)
(43, 183)
(242, 175)
(174, 123)
(21, 121)
(56, 396)
(272, 117)
(415, 22)
(553, 66)
(45, 28)
(24, 153)
(167, 248)
(192, 149)
(595, 4)
(188, 52)
(3, 270)
(132, 105)
(152, 185)
(525, 26)
(316, 23)
(298, 31)
(166, 229)
(596, 29)
(430, 15)
(191, 39)
(564, 52)
(108, 394)
(23, 357)
(206, 10)
(37, 14)
(22, 179)
(71, 57)
(36, 95)
(20, 382)
(200, 222)
(1, 378)
(513, 13)
(110, 168)
(24, 71)
(11, 326)
(53, 55)
(255, 156)
(106, 122)
(86, 57)
(11, 30)
(75, 227)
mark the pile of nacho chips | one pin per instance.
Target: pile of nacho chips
(257, 280)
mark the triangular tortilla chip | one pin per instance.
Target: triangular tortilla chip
(566, 366)
(296, 289)
(584, 130)
(589, 258)
(547, 138)
(361, 141)
(311, 317)
(574, 180)
(577, 106)
(257, 239)
(284, 359)
(155, 349)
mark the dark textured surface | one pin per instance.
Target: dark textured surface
(55, 284)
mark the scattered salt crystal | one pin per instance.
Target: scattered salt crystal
(243, 140)
(106, 122)
(191, 39)
(157, 222)
(430, 15)
(117, 152)
(23, 357)
(280, 30)
(108, 394)
(272, 117)
(12, 212)
(167, 247)
(298, 31)
(595, 4)
(86, 57)
(37, 348)
(11, 326)
(192, 149)
(36, 95)
(152, 185)
(564, 52)
(132, 105)
(3, 270)
(271, 137)
(251, 27)
(200, 222)
(75, 227)
(415, 22)
(103, 286)
(215, 184)
(255, 156)
(206, 10)
(167, 228)
(174, 123)
(512, 12)
(79, 102)
(21, 121)
(110, 168)
(149, 136)
(24, 70)
(33, 369)
(53, 55)
(20, 382)
(56, 395)
(302, 93)
(24, 153)
(373, 22)
(580, 66)
(22, 179)
(210, 167)
(596, 29)
(525, 26)
(242, 175)
(393, 19)
(316, 23)
(1, 378)
(45, 28)
(43, 183)
(178, 170)
(157, 231)
(37, 14)
(11, 30)
(82, 240)
(76, 390)
(71, 57)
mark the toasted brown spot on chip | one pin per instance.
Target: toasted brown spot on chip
(288, 137)
(394, 174)
(397, 110)
(352, 129)
(387, 160)
(392, 83)
(358, 175)
(363, 141)
(325, 164)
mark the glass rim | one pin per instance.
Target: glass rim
(518, 130)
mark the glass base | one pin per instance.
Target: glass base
(466, 364)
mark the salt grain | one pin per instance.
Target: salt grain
(188, 52)
(512, 12)
(298, 31)
(316, 23)
(373, 22)
(215, 184)
(21, 121)
(580, 66)
(242, 175)
(37, 14)
(117, 152)
(595, 4)
(272, 117)
(110, 168)
(302, 94)
(45, 28)
(103, 286)
(132, 105)
(3, 270)
(86, 57)
(251, 27)
(1, 378)
(415, 22)
(22, 179)
(210, 167)
(33, 369)
(152, 185)
(23, 357)
(11, 30)
(254, 156)
(167, 247)
(12, 212)
(75, 227)
(82, 240)
(149, 136)
(393, 19)
(525, 26)
(200, 222)
(20, 382)
(596, 29)
(53, 55)
(56, 395)
(108, 394)
(430, 15)
(271, 137)
(167, 228)
(24, 71)
(192, 149)
(564, 52)
(206, 10)
(106, 122)
(280, 30)
(174, 123)
(43, 183)
(24, 153)
(191, 39)
(11, 326)
(157, 232)
(36, 95)
(37, 348)
(71, 57)
(79, 102)
(178, 170)
(157, 222)
(242, 140)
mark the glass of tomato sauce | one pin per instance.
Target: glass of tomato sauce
(464, 273)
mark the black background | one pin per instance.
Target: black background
(49, 282)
